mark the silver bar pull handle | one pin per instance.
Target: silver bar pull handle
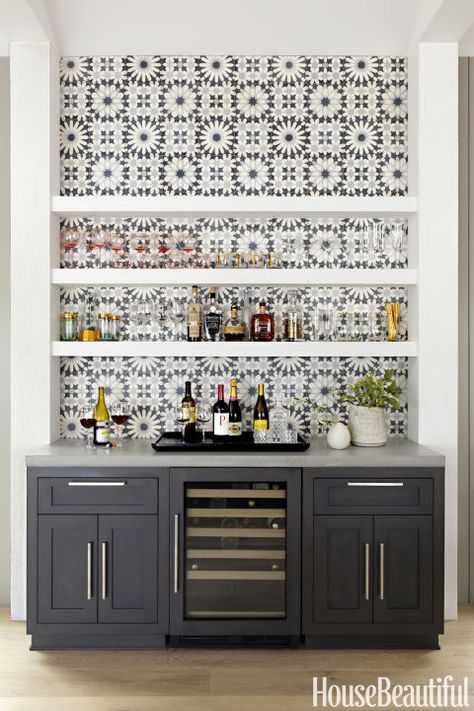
(367, 571)
(96, 483)
(382, 571)
(104, 571)
(89, 571)
(176, 554)
(375, 483)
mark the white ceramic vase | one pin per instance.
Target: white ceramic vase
(338, 436)
(367, 426)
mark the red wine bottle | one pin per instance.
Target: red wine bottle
(220, 416)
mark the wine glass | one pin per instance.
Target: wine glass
(182, 418)
(164, 245)
(178, 314)
(99, 237)
(137, 318)
(88, 422)
(117, 247)
(139, 245)
(203, 416)
(69, 242)
(120, 414)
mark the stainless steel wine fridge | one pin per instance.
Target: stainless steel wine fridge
(235, 540)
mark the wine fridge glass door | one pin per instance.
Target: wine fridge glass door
(235, 551)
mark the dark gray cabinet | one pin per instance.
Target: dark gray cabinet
(373, 557)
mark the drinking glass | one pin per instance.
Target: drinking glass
(120, 414)
(178, 316)
(324, 323)
(88, 422)
(164, 245)
(187, 248)
(397, 239)
(117, 247)
(159, 317)
(69, 242)
(182, 418)
(137, 317)
(139, 245)
(203, 416)
(99, 237)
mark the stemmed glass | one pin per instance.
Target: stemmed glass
(120, 414)
(117, 247)
(182, 418)
(69, 241)
(139, 245)
(203, 416)
(187, 249)
(164, 245)
(88, 422)
(137, 317)
(178, 315)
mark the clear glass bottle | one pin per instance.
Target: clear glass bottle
(292, 319)
(263, 324)
(194, 332)
(234, 327)
(89, 330)
(213, 319)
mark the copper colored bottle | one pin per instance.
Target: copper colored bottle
(263, 324)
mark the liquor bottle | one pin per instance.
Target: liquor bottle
(213, 319)
(235, 414)
(292, 319)
(188, 408)
(261, 420)
(263, 324)
(88, 330)
(220, 416)
(194, 318)
(234, 327)
(102, 421)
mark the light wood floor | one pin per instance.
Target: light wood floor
(208, 680)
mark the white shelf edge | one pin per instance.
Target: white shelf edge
(232, 277)
(252, 206)
(231, 349)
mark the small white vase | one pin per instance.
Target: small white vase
(338, 436)
(367, 426)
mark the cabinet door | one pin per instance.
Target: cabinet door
(128, 569)
(404, 569)
(67, 567)
(342, 580)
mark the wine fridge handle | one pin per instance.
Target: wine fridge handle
(104, 570)
(89, 571)
(367, 571)
(382, 571)
(176, 554)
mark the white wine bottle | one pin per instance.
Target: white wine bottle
(260, 413)
(102, 421)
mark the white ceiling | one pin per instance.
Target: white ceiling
(238, 27)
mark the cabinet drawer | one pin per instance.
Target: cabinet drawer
(372, 495)
(97, 495)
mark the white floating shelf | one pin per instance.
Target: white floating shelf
(127, 206)
(233, 277)
(233, 350)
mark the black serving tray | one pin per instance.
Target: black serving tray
(173, 442)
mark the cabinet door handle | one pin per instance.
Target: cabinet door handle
(176, 554)
(89, 571)
(104, 570)
(375, 483)
(367, 571)
(96, 483)
(382, 571)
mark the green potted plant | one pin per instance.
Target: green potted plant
(368, 398)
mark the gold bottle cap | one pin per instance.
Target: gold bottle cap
(114, 317)
(69, 315)
(103, 315)
(233, 382)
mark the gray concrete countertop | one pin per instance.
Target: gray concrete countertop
(396, 453)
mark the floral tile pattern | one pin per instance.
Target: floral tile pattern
(233, 125)
(154, 387)
(217, 126)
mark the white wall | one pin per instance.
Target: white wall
(4, 330)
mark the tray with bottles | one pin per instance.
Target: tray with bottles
(173, 442)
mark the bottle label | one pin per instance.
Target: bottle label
(238, 329)
(189, 413)
(221, 423)
(213, 324)
(260, 424)
(102, 432)
(235, 429)
(194, 321)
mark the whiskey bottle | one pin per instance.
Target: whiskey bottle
(234, 327)
(235, 413)
(213, 319)
(194, 331)
(260, 414)
(263, 324)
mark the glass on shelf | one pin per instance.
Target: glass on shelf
(70, 237)
(292, 318)
(139, 248)
(187, 247)
(324, 323)
(255, 259)
(274, 260)
(117, 249)
(69, 328)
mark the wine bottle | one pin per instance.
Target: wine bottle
(194, 318)
(220, 416)
(188, 408)
(260, 414)
(213, 319)
(102, 421)
(235, 414)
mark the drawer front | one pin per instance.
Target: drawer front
(372, 495)
(97, 495)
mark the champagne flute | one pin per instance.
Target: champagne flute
(182, 418)
(88, 422)
(203, 416)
